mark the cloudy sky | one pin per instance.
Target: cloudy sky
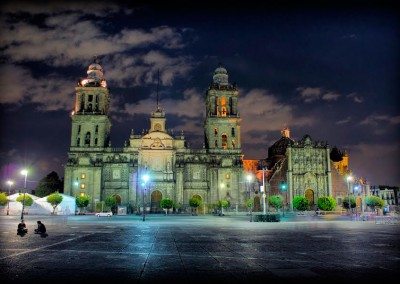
(327, 71)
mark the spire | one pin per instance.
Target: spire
(158, 83)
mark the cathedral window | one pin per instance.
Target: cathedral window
(89, 107)
(95, 141)
(79, 129)
(233, 132)
(233, 144)
(83, 186)
(216, 143)
(223, 111)
(87, 139)
(90, 98)
(78, 142)
(215, 131)
(224, 141)
(97, 129)
(227, 176)
(83, 175)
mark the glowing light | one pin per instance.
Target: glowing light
(349, 178)
(10, 182)
(222, 185)
(248, 177)
(145, 178)
(24, 172)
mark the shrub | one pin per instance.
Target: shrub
(249, 203)
(326, 203)
(166, 203)
(3, 199)
(195, 202)
(267, 218)
(28, 200)
(345, 202)
(82, 201)
(374, 201)
(111, 202)
(54, 199)
(300, 203)
(275, 201)
(223, 203)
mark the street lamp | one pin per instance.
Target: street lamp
(349, 178)
(264, 193)
(145, 179)
(24, 172)
(283, 187)
(10, 184)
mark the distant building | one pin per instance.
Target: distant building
(389, 194)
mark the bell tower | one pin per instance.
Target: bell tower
(90, 121)
(222, 124)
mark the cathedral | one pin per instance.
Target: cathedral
(157, 164)
(174, 171)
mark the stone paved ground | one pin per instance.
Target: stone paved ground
(193, 249)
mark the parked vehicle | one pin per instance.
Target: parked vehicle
(104, 214)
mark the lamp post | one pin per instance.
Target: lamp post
(249, 178)
(283, 187)
(222, 185)
(145, 179)
(24, 172)
(349, 178)
(264, 194)
(10, 184)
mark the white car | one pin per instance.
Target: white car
(104, 214)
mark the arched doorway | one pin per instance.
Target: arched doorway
(257, 206)
(200, 209)
(156, 197)
(118, 198)
(309, 194)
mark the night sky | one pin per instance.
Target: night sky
(327, 71)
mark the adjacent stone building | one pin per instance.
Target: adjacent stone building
(175, 171)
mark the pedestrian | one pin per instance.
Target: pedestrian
(41, 229)
(22, 230)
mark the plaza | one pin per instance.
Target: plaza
(204, 248)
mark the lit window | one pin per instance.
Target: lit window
(83, 176)
(82, 186)
(227, 176)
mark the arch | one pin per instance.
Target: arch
(257, 205)
(87, 139)
(309, 194)
(96, 129)
(118, 198)
(224, 141)
(156, 197)
(223, 111)
(95, 141)
(78, 142)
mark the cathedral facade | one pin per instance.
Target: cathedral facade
(174, 171)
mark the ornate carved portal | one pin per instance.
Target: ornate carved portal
(156, 197)
(309, 194)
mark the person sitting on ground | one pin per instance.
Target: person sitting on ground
(41, 229)
(22, 230)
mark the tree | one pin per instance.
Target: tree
(3, 199)
(326, 203)
(195, 202)
(28, 200)
(300, 203)
(111, 202)
(49, 184)
(223, 204)
(345, 202)
(82, 201)
(166, 203)
(374, 201)
(275, 201)
(54, 199)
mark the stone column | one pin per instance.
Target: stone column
(328, 172)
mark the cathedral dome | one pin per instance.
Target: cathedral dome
(279, 147)
(220, 76)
